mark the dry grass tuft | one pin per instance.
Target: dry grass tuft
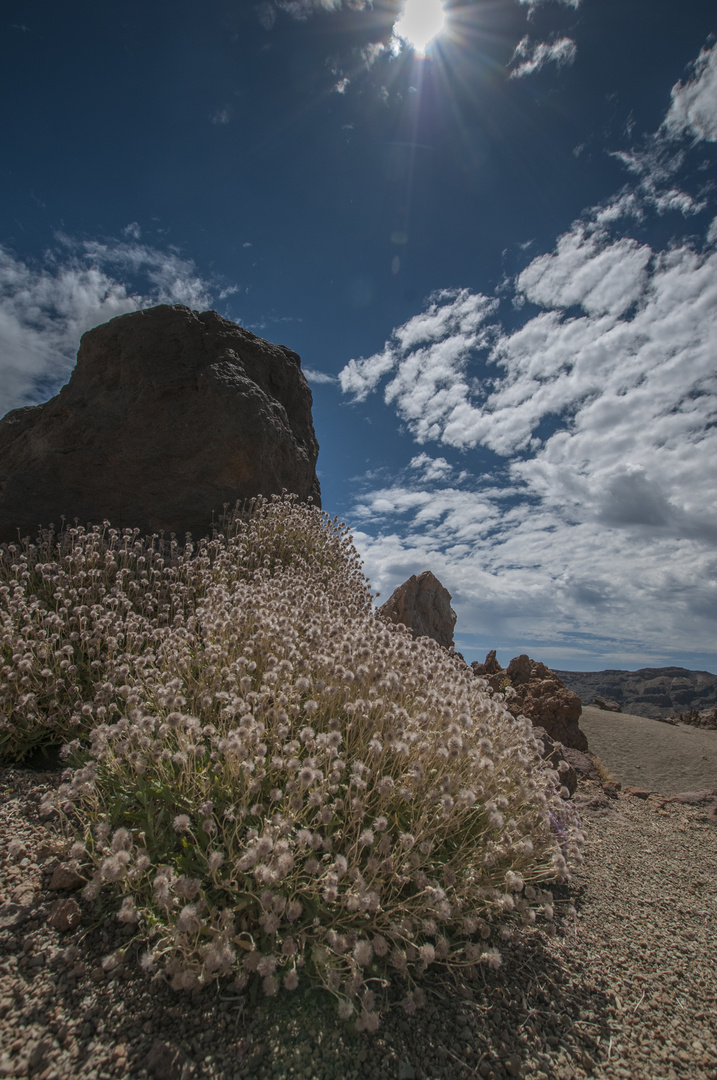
(603, 772)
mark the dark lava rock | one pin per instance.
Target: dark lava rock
(169, 415)
(582, 763)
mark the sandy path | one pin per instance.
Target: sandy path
(647, 753)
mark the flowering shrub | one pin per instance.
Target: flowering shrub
(274, 780)
(77, 612)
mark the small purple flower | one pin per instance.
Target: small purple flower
(558, 826)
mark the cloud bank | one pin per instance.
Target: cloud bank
(593, 529)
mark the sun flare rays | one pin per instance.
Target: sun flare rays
(420, 23)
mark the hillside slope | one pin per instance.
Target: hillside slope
(655, 692)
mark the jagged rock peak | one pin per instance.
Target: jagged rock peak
(168, 415)
(424, 606)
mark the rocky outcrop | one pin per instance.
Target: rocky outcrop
(705, 718)
(693, 798)
(531, 689)
(606, 704)
(424, 606)
(654, 692)
(491, 671)
(582, 763)
(168, 415)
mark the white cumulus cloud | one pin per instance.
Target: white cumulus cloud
(588, 270)
(531, 56)
(46, 306)
(319, 377)
(431, 468)
(427, 357)
(694, 104)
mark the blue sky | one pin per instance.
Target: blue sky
(498, 261)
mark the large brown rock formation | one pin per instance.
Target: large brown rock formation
(168, 415)
(533, 690)
(424, 606)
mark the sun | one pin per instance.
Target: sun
(420, 23)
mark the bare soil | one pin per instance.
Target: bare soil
(651, 754)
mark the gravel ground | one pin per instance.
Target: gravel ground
(626, 988)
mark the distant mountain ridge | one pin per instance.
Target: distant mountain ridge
(655, 692)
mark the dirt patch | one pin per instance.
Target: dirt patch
(646, 753)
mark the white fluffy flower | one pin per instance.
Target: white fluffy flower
(363, 952)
